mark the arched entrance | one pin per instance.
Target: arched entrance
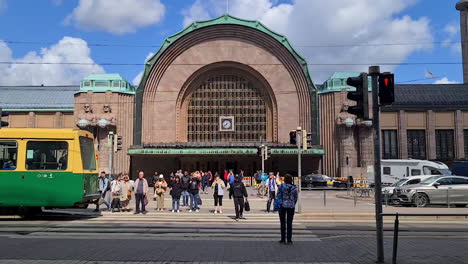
(226, 91)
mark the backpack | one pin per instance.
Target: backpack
(108, 185)
(278, 204)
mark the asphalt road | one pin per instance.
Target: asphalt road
(200, 238)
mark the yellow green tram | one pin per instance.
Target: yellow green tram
(46, 168)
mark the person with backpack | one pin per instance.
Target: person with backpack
(231, 177)
(104, 187)
(194, 191)
(285, 203)
(176, 191)
(272, 186)
(184, 182)
(239, 191)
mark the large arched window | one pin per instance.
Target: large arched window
(227, 96)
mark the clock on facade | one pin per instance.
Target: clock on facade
(226, 123)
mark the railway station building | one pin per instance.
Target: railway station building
(207, 99)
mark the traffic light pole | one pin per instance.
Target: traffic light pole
(263, 160)
(111, 152)
(299, 168)
(374, 71)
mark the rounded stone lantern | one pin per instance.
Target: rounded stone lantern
(367, 123)
(102, 123)
(83, 123)
(349, 122)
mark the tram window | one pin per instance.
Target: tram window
(88, 157)
(8, 155)
(46, 155)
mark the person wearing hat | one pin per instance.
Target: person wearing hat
(126, 193)
(160, 187)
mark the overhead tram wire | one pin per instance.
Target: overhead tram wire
(296, 46)
(253, 64)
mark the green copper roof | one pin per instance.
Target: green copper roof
(101, 83)
(337, 82)
(228, 20)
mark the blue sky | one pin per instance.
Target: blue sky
(305, 22)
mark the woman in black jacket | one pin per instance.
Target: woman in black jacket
(176, 192)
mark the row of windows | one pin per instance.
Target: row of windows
(416, 142)
(40, 155)
(103, 84)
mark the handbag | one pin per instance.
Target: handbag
(199, 201)
(278, 204)
(247, 205)
(100, 201)
(145, 200)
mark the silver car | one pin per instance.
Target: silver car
(436, 190)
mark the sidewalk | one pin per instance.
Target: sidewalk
(315, 204)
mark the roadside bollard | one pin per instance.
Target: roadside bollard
(395, 239)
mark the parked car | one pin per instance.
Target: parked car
(435, 190)
(388, 192)
(314, 180)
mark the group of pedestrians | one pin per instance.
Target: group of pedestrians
(186, 187)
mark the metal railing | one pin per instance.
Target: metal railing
(397, 224)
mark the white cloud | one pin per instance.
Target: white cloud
(444, 80)
(337, 22)
(67, 50)
(452, 31)
(137, 79)
(3, 6)
(116, 16)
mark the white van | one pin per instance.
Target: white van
(394, 170)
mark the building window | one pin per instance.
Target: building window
(8, 155)
(86, 83)
(115, 83)
(101, 83)
(232, 96)
(416, 144)
(465, 140)
(389, 144)
(444, 144)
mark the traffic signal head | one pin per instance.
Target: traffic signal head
(360, 96)
(292, 138)
(259, 151)
(386, 88)
(117, 143)
(2, 114)
(267, 152)
(306, 140)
